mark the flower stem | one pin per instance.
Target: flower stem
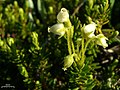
(82, 53)
(88, 41)
(69, 42)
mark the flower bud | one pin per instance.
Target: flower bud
(90, 29)
(102, 40)
(68, 61)
(57, 29)
(63, 15)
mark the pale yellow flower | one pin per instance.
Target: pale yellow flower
(57, 29)
(101, 40)
(63, 15)
(90, 29)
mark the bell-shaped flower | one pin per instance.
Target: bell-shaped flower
(68, 61)
(57, 29)
(63, 15)
(101, 40)
(90, 29)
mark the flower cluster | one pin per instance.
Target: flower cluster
(59, 28)
(63, 26)
(100, 38)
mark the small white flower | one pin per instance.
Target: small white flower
(101, 40)
(63, 15)
(57, 29)
(90, 29)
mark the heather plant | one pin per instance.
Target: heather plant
(72, 46)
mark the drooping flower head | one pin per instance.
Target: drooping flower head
(57, 29)
(63, 15)
(101, 40)
(90, 29)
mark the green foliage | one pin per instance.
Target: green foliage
(33, 59)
